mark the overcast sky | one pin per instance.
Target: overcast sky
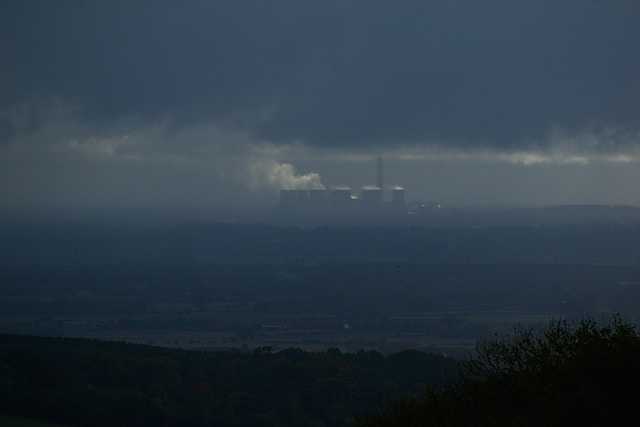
(205, 108)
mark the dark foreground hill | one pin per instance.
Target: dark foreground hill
(78, 382)
(567, 375)
(6, 421)
(584, 375)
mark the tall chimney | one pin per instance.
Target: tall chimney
(380, 180)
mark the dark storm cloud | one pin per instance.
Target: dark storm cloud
(495, 73)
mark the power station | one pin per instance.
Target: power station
(372, 198)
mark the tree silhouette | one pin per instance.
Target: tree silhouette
(568, 374)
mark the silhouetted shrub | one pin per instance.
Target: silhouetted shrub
(569, 374)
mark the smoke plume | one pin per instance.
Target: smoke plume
(284, 176)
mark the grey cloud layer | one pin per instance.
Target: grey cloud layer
(186, 107)
(68, 166)
(497, 74)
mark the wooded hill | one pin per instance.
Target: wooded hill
(79, 382)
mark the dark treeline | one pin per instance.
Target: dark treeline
(81, 382)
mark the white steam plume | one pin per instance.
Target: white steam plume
(283, 176)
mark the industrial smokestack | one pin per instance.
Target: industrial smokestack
(380, 174)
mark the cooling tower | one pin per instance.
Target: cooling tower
(371, 195)
(341, 196)
(398, 196)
